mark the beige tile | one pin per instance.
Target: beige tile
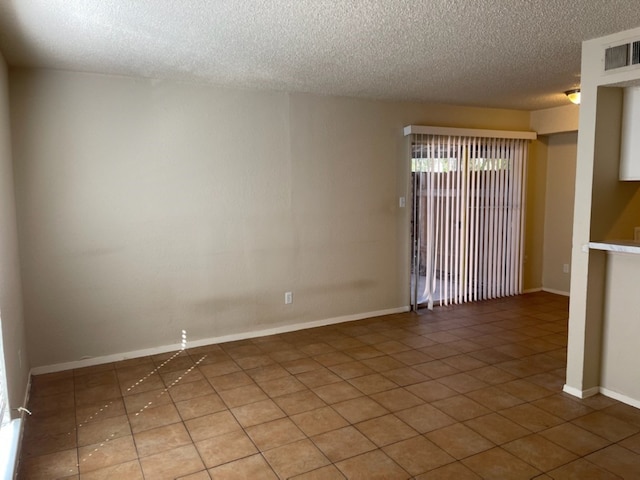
(319, 377)
(494, 398)
(531, 417)
(386, 430)
(54, 403)
(253, 467)
(524, 390)
(211, 425)
(161, 439)
(318, 421)
(397, 399)
(351, 370)
(54, 465)
(295, 458)
(189, 390)
(299, 402)
(100, 411)
(332, 358)
(359, 409)
(281, 386)
(43, 443)
(452, 471)
(405, 376)
(618, 460)
(101, 430)
(230, 380)
(94, 395)
(106, 454)
(459, 440)
(225, 448)
(632, 443)
(461, 407)
(606, 426)
(168, 465)
(268, 372)
(274, 434)
(171, 378)
(104, 378)
(418, 455)
(583, 470)
(372, 466)
(497, 428)
(491, 375)
(383, 364)
(154, 417)
(254, 361)
(562, 406)
(129, 470)
(330, 472)
(411, 357)
(258, 412)
(239, 396)
(498, 463)
(436, 369)
(431, 391)
(374, 383)
(539, 452)
(200, 406)
(342, 443)
(203, 475)
(154, 398)
(425, 418)
(219, 368)
(141, 384)
(575, 439)
(301, 365)
(337, 392)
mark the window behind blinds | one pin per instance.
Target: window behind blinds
(468, 217)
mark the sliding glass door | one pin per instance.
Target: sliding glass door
(468, 218)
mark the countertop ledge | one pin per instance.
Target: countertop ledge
(619, 246)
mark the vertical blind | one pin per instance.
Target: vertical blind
(468, 217)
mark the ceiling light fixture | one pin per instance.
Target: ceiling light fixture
(573, 95)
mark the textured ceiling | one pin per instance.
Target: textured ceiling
(498, 53)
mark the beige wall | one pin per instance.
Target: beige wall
(621, 329)
(148, 207)
(11, 316)
(534, 227)
(558, 223)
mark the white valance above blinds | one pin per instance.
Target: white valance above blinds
(468, 132)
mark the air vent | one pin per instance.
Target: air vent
(616, 57)
(635, 53)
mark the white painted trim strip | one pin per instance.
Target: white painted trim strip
(620, 397)
(576, 392)
(468, 132)
(88, 362)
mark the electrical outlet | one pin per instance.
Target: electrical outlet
(403, 202)
(565, 268)
(288, 298)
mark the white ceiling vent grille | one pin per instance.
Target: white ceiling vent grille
(616, 57)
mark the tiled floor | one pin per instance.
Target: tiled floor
(464, 392)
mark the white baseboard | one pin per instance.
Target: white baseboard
(576, 392)
(116, 357)
(557, 292)
(620, 397)
(532, 290)
(590, 392)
